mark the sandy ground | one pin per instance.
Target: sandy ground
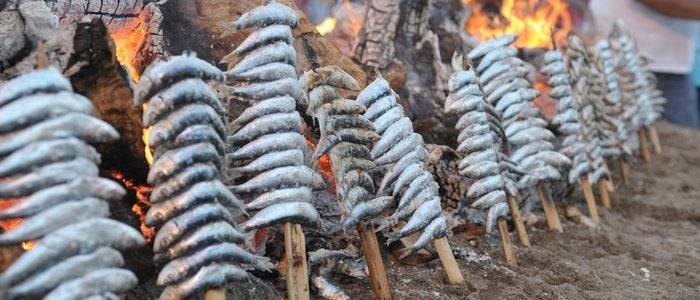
(648, 245)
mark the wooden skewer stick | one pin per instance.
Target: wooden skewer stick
(518, 221)
(590, 199)
(643, 146)
(506, 244)
(654, 137)
(216, 294)
(295, 256)
(609, 183)
(625, 171)
(448, 261)
(550, 210)
(370, 249)
(603, 190)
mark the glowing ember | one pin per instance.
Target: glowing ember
(326, 26)
(324, 162)
(144, 137)
(532, 20)
(127, 41)
(141, 206)
(28, 245)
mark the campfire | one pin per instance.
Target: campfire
(199, 150)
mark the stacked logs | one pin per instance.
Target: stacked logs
(50, 170)
(190, 207)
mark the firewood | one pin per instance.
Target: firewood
(654, 137)
(448, 261)
(590, 199)
(295, 256)
(550, 210)
(643, 147)
(374, 46)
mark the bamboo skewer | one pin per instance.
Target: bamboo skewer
(625, 171)
(370, 249)
(518, 221)
(448, 261)
(603, 190)
(550, 210)
(654, 137)
(215, 294)
(643, 148)
(590, 199)
(609, 183)
(295, 256)
(506, 243)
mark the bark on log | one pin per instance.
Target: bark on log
(374, 46)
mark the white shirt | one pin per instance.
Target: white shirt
(668, 42)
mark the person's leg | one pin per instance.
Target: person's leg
(682, 107)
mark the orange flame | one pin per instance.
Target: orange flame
(324, 162)
(326, 26)
(141, 206)
(128, 40)
(28, 245)
(532, 20)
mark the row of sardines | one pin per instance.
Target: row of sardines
(217, 180)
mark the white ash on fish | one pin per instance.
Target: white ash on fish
(402, 152)
(269, 152)
(502, 78)
(190, 207)
(323, 263)
(580, 73)
(483, 143)
(50, 168)
(345, 135)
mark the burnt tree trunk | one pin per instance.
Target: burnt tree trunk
(375, 41)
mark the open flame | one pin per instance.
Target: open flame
(532, 20)
(141, 206)
(326, 26)
(128, 39)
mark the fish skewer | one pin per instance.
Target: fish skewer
(494, 189)
(279, 182)
(192, 210)
(350, 159)
(403, 141)
(66, 213)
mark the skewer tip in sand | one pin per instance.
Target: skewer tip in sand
(603, 190)
(375, 264)
(295, 256)
(520, 229)
(448, 261)
(625, 171)
(590, 199)
(550, 210)
(643, 148)
(654, 137)
(506, 243)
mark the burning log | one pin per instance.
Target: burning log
(375, 42)
(49, 165)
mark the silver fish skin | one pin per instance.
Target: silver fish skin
(420, 218)
(520, 95)
(160, 75)
(295, 212)
(496, 55)
(407, 176)
(48, 80)
(386, 119)
(358, 178)
(460, 79)
(46, 152)
(264, 90)
(484, 186)
(517, 83)
(268, 14)
(477, 143)
(505, 78)
(343, 107)
(194, 134)
(178, 269)
(345, 149)
(417, 185)
(77, 189)
(283, 177)
(391, 136)
(496, 69)
(368, 209)
(530, 135)
(71, 268)
(283, 104)
(473, 130)
(418, 155)
(77, 238)
(35, 108)
(263, 36)
(405, 212)
(47, 176)
(490, 199)
(380, 107)
(269, 161)
(273, 123)
(403, 147)
(343, 165)
(518, 126)
(84, 127)
(214, 275)
(379, 88)
(463, 93)
(168, 128)
(475, 117)
(297, 194)
(269, 143)
(497, 211)
(177, 227)
(465, 104)
(192, 174)
(355, 195)
(331, 75)
(100, 281)
(173, 161)
(321, 95)
(188, 91)
(348, 121)
(203, 236)
(476, 157)
(551, 158)
(327, 289)
(202, 192)
(53, 218)
(434, 230)
(490, 45)
(268, 72)
(104, 296)
(519, 111)
(279, 52)
(352, 135)
(481, 169)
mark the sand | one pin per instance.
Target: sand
(647, 246)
